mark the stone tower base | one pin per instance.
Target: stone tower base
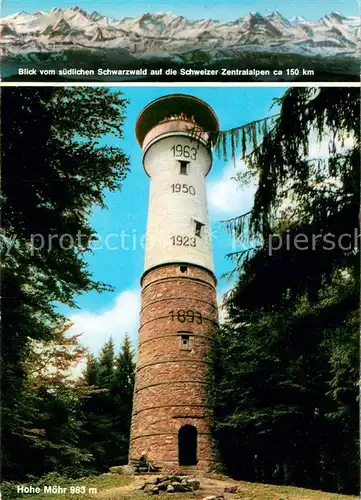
(178, 324)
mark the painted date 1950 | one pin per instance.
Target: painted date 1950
(183, 188)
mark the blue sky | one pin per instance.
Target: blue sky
(194, 9)
(116, 313)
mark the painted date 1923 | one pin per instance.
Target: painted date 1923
(185, 241)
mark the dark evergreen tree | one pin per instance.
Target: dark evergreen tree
(123, 396)
(54, 170)
(91, 371)
(106, 366)
(108, 408)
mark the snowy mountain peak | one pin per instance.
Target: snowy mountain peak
(337, 15)
(253, 15)
(333, 18)
(163, 14)
(277, 16)
(259, 28)
(151, 34)
(298, 20)
(59, 28)
(96, 16)
(80, 11)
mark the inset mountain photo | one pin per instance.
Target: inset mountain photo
(71, 43)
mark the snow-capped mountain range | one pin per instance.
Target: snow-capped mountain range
(167, 35)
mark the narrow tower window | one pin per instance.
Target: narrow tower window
(183, 167)
(185, 344)
(198, 229)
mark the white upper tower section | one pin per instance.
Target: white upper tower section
(173, 132)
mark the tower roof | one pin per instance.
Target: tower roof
(174, 104)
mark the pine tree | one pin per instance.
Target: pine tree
(125, 371)
(106, 366)
(108, 408)
(285, 403)
(54, 171)
(123, 395)
(90, 374)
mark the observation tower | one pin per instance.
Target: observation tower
(179, 315)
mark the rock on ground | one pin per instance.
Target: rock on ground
(179, 487)
(194, 484)
(125, 470)
(213, 497)
(231, 489)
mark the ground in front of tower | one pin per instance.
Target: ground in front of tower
(212, 485)
(120, 487)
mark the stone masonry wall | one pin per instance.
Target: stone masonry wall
(171, 375)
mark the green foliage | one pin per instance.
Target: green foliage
(99, 482)
(9, 491)
(241, 138)
(55, 170)
(298, 195)
(90, 373)
(105, 370)
(285, 389)
(108, 408)
(285, 374)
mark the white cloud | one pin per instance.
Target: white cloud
(222, 312)
(321, 149)
(121, 317)
(225, 197)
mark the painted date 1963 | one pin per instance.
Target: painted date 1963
(184, 151)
